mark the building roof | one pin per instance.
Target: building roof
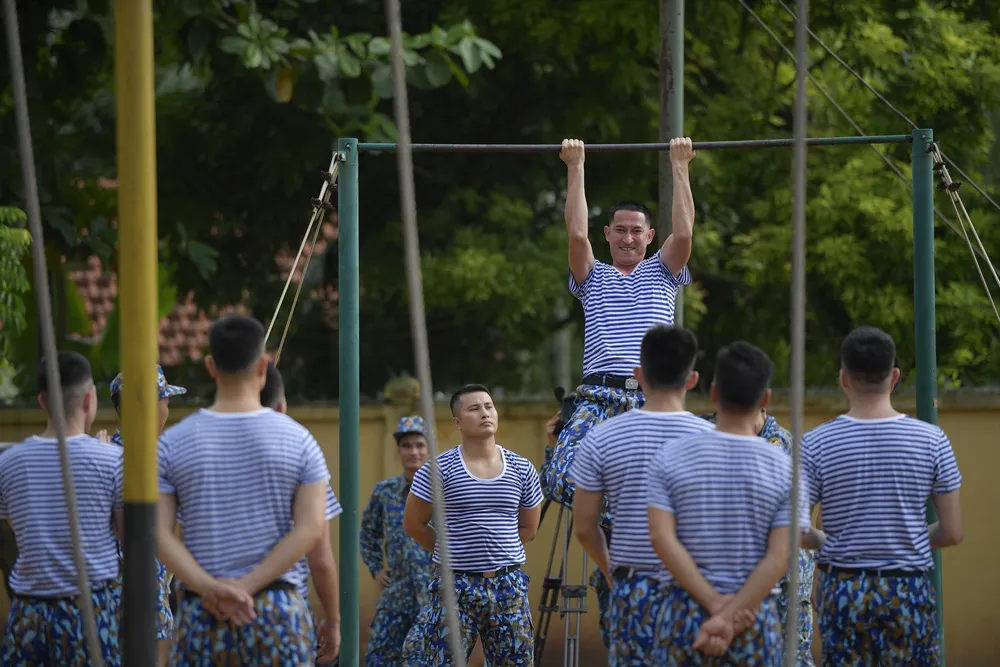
(183, 334)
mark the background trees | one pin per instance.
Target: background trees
(251, 97)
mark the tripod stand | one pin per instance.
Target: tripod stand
(574, 597)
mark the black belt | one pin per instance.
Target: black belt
(273, 586)
(489, 575)
(95, 588)
(613, 381)
(622, 572)
(870, 572)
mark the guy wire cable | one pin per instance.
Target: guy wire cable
(418, 324)
(55, 398)
(798, 333)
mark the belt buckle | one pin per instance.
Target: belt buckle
(631, 384)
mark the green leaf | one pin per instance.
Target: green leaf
(234, 45)
(379, 46)
(470, 55)
(349, 65)
(382, 81)
(204, 257)
(436, 67)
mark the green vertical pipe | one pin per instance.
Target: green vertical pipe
(350, 400)
(676, 12)
(923, 318)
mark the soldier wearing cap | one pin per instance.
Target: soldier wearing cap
(400, 566)
(165, 617)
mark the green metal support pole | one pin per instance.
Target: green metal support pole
(350, 400)
(923, 317)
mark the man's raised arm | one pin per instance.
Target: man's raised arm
(676, 249)
(581, 254)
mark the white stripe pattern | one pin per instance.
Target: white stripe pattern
(614, 458)
(873, 478)
(482, 514)
(619, 309)
(726, 492)
(31, 498)
(235, 476)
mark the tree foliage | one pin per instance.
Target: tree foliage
(251, 97)
(14, 243)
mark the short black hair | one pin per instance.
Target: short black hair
(75, 379)
(629, 205)
(868, 354)
(742, 376)
(456, 398)
(274, 388)
(667, 357)
(235, 343)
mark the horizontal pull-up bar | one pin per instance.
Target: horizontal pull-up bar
(639, 148)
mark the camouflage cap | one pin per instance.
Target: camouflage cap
(166, 390)
(413, 424)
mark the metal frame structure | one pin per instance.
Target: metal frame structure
(134, 75)
(349, 317)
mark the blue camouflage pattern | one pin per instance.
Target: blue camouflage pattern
(50, 631)
(634, 611)
(594, 404)
(413, 424)
(282, 634)
(164, 389)
(868, 621)
(680, 621)
(384, 543)
(492, 610)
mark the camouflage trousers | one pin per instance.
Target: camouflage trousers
(494, 610)
(397, 610)
(870, 620)
(49, 631)
(635, 603)
(282, 634)
(804, 657)
(681, 618)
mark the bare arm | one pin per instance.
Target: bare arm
(309, 516)
(528, 519)
(813, 539)
(663, 535)
(416, 516)
(948, 531)
(324, 573)
(587, 506)
(768, 572)
(676, 250)
(581, 253)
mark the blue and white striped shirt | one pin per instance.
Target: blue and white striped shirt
(333, 509)
(235, 476)
(873, 478)
(726, 492)
(619, 309)
(31, 498)
(482, 514)
(614, 458)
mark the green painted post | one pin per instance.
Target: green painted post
(923, 317)
(350, 400)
